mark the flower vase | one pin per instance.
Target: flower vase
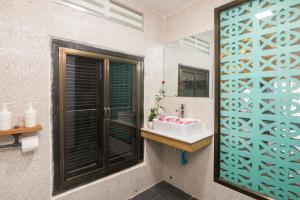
(150, 125)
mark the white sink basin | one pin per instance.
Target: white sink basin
(178, 126)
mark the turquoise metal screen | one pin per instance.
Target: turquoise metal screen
(260, 97)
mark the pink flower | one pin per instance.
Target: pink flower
(163, 82)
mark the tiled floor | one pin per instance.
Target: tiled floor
(163, 191)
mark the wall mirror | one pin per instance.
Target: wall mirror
(188, 66)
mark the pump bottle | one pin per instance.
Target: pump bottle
(5, 118)
(30, 116)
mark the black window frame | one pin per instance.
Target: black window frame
(60, 186)
(194, 70)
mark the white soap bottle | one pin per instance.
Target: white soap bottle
(5, 118)
(30, 116)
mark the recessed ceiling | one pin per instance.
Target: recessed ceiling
(165, 7)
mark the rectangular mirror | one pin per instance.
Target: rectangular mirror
(188, 66)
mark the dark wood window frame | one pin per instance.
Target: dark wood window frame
(217, 107)
(194, 70)
(60, 184)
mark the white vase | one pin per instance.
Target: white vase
(150, 125)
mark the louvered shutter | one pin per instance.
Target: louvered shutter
(83, 117)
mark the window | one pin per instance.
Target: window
(97, 113)
(193, 82)
(109, 9)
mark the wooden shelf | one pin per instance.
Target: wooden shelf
(176, 143)
(21, 130)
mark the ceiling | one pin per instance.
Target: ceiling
(165, 7)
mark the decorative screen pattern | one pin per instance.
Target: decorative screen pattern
(260, 97)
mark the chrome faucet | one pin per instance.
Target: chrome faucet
(181, 111)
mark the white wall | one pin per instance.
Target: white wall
(26, 28)
(197, 176)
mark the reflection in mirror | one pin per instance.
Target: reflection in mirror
(188, 65)
(193, 82)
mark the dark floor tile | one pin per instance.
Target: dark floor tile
(162, 185)
(158, 198)
(163, 191)
(146, 195)
(177, 194)
(161, 188)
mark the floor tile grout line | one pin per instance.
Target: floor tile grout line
(167, 188)
(156, 193)
(153, 191)
(155, 196)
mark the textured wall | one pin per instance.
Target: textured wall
(196, 177)
(194, 19)
(26, 28)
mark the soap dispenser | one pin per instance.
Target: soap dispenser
(30, 116)
(5, 118)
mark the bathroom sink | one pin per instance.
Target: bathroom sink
(181, 127)
(183, 130)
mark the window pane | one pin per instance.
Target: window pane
(201, 89)
(122, 103)
(83, 122)
(193, 82)
(187, 84)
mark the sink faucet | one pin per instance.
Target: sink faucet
(181, 111)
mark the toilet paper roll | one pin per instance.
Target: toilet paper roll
(30, 143)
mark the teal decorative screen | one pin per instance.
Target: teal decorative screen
(259, 97)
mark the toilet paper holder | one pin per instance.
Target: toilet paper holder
(16, 142)
(16, 132)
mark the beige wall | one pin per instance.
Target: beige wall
(197, 176)
(26, 28)
(194, 19)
